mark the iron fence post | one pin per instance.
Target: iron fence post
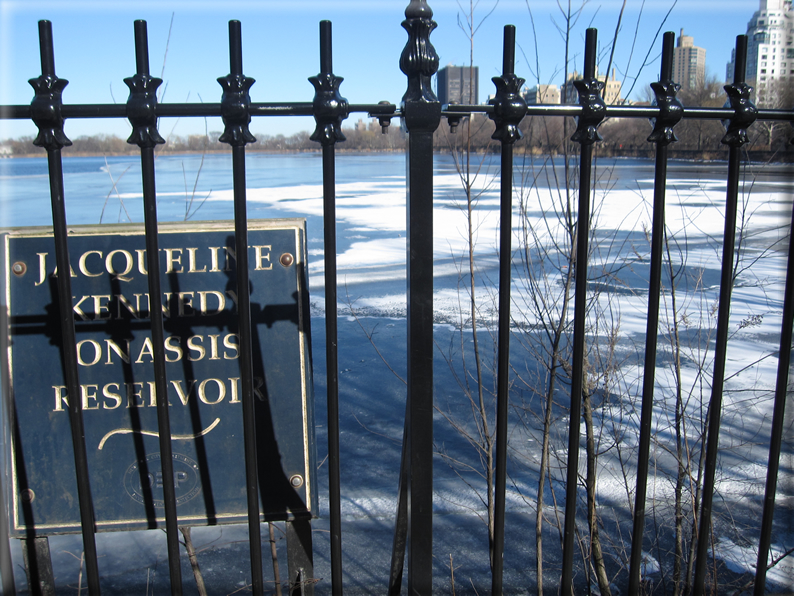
(46, 113)
(593, 111)
(509, 110)
(778, 419)
(141, 113)
(736, 136)
(401, 522)
(6, 565)
(421, 115)
(235, 107)
(670, 113)
(778, 422)
(330, 109)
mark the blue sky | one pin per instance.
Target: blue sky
(94, 48)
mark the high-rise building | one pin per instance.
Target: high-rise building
(548, 94)
(458, 84)
(770, 50)
(689, 63)
(612, 88)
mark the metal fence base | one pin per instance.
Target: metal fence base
(300, 564)
(38, 566)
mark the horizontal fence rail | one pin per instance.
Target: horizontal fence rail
(206, 110)
(421, 113)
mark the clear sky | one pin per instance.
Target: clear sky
(94, 48)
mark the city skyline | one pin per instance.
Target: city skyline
(94, 49)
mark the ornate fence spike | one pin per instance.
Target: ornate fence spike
(593, 111)
(329, 107)
(235, 101)
(141, 110)
(143, 96)
(670, 109)
(670, 112)
(45, 109)
(589, 89)
(509, 108)
(235, 110)
(745, 112)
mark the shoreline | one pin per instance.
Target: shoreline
(757, 157)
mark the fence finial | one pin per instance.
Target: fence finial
(589, 89)
(739, 99)
(329, 107)
(670, 109)
(45, 109)
(419, 62)
(143, 95)
(236, 102)
(509, 107)
(418, 9)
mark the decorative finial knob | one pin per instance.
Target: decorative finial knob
(418, 9)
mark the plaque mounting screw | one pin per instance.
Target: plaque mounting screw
(27, 495)
(19, 268)
(296, 481)
(286, 259)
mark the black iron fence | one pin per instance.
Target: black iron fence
(421, 113)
